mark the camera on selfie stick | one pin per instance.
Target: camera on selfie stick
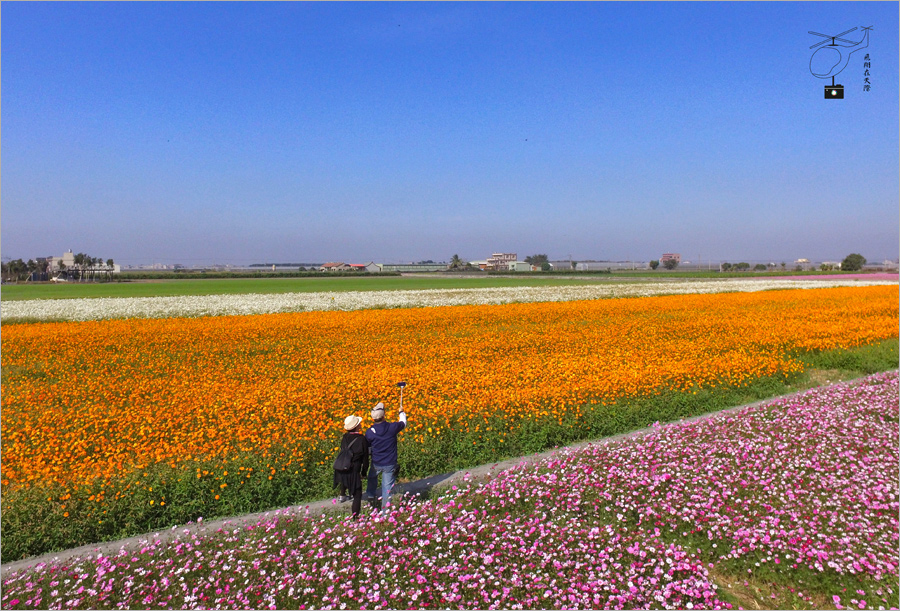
(401, 386)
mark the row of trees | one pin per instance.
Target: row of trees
(669, 264)
(744, 266)
(851, 263)
(17, 269)
(88, 267)
(84, 267)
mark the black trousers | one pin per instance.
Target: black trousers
(357, 498)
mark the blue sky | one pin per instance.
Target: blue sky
(201, 133)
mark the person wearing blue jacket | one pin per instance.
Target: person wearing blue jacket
(382, 438)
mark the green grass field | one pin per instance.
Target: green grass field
(239, 286)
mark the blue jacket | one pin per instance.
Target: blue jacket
(382, 438)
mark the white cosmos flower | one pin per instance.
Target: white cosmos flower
(255, 303)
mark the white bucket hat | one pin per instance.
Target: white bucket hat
(378, 411)
(351, 422)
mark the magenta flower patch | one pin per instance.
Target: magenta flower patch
(808, 483)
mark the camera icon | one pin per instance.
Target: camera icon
(834, 92)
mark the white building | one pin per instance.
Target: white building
(500, 261)
(68, 260)
(521, 266)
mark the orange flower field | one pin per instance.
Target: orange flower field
(89, 408)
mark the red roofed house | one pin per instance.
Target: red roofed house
(670, 256)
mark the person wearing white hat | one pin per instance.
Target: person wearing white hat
(350, 482)
(382, 437)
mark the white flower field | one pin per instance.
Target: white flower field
(248, 304)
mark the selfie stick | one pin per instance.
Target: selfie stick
(401, 385)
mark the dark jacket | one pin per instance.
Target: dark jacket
(383, 439)
(359, 464)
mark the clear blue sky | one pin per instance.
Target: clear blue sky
(235, 133)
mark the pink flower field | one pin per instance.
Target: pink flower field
(799, 495)
(874, 276)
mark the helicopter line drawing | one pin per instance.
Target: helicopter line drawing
(831, 57)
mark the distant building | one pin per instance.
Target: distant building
(68, 260)
(522, 266)
(885, 266)
(670, 256)
(412, 267)
(562, 266)
(500, 261)
(364, 267)
(595, 266)
(335, 267)
(68, 263)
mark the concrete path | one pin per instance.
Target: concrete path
(418, 488)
